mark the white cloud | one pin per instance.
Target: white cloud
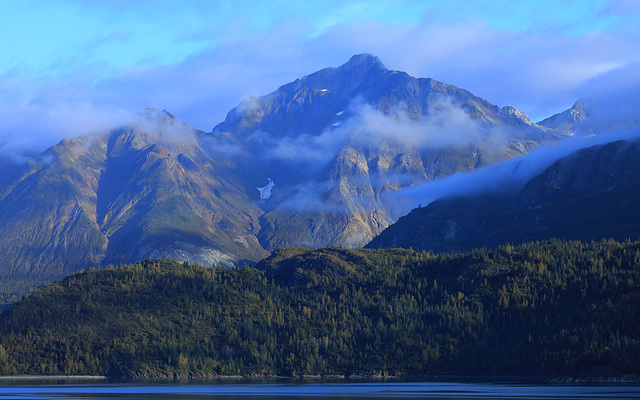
(540, 73)
(515, 172)
(369, 127)
(445, 125)
(31, 128)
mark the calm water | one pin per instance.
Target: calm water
(308, 391)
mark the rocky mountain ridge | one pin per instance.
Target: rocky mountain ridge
(364, 132)
(330, 147)
(147, 190)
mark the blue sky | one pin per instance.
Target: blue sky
(74, 67)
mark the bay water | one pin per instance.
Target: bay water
(221, 390)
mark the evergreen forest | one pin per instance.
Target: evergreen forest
(552, 308)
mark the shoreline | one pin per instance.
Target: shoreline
(630, 379)
(51, 377)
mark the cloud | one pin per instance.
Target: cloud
(31, 128)
(368, 127)
(612, 115)
(514, 173)
(538, 72)
(446, 125)
(619, 83)
(541, 72)
(304, 196)
(295, 161)
(304, 149)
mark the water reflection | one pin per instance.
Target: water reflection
(230, 391)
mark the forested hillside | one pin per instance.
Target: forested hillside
(545, 308)
(590, 194)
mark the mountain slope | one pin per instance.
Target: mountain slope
(312, 164)
(166, 197)
(148, 190)
(338, 141)
(590, 194)
(47, 219)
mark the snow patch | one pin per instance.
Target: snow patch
(265, 191)
(340, 113)
(241, 240)
(324, 90)
(336, 124)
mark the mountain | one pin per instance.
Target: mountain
(588, 195)
(597, 115)
(543, 309)
(146, 190)
(337, 142)
(569, 121)
(312, 164)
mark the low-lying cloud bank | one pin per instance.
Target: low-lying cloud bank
(611, 115)
(510, 174)
(302, 157)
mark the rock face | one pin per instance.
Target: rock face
(312, 164)
(590, 194)
(339, 141)
(594, 116)
(148, 190)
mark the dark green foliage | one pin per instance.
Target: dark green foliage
(546, 308)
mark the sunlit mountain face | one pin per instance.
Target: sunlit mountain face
(337, 142)
(318, 162)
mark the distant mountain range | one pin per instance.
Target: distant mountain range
(311, 164)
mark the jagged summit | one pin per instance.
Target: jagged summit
(312, 164)
(154, 114)
(311, 102)
(337, 139)
(364, 61)
(579, 120)
(325, 98)
(519, 115)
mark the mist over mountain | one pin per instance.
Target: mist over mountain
(332, 158)
(590, 194)
(145, 190)
(337, 142)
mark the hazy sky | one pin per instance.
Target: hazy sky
(72, 67)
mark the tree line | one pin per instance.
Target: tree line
(542, 308)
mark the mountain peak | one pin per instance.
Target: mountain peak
(364, 61)
(519, 115)
(153, 114)
(579, 111)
